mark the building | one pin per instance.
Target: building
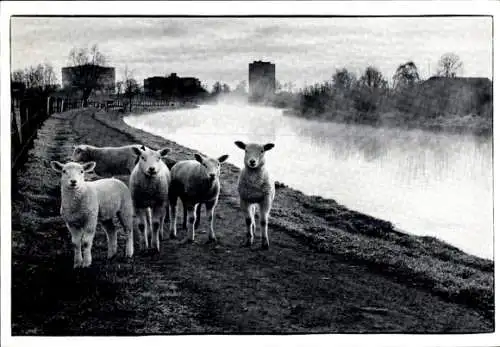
(153, 86)
(95, 76)
(261, 80)
(172, 86)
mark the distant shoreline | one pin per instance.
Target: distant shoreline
(436, 126)
(140, 110)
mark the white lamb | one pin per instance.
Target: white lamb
(149, 185)
(195, 182)
(85, 203)
(109, 160)
(256, 188)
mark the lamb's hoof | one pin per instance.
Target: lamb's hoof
(111, 257)
(202, 231)
(129, 260)
(265, 246)
(211, 240)
(173, 236)
(246, 244)
(187, 241)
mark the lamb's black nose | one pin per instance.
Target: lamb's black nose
(212, 176)
(73, 182)
(252, 162)
(152, 170)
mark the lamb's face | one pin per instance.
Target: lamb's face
(211, 166)
(72, 174)
(254, 153)
(149, 161)
(80, 153)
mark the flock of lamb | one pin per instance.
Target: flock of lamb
(152, 194)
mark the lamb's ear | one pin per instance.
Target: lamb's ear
(56, 166)
(198, 158)
(240, 144)
(137, 151)
(222, 158)
(143, 148)
(164, 151)
(268, 146)
(88, 167)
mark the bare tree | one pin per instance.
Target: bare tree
(406, 75)
(449, 65)
(288, 86)
(343, 79)
(34, 76)
(17, 76)
(131, 87)
(119, 87)
(41, 77)
(49, 76)
(217, 88)
(373, 78)
(87, 67)
(226, 89)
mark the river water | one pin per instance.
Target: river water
(424, 183)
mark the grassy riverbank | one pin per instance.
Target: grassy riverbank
(329, 269)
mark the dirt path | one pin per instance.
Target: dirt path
(295, 287)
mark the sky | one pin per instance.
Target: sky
(305, 50)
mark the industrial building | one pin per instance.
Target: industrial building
(261, 80)
(172, 86)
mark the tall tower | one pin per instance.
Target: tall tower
(261, 80)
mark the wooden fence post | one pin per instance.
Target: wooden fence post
(14, 133)
(23, 119)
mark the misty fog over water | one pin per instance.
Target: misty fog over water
(425, 183)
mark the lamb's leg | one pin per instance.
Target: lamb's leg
(264, 207)
(184, 222)
(87, 240)
(150, 224)
(126, 218)
(249, 221)
(210, 206)
(110, 229)
(162, 222)
(191, 221)
(165, 219)
(198, 216)
(141, 214)
(158, 219)
(76, 239)
(173, 216)
(197, 210)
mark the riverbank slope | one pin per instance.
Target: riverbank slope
(329, 269)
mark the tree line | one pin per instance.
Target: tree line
(406, 98)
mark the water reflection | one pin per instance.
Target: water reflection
(425, 183)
